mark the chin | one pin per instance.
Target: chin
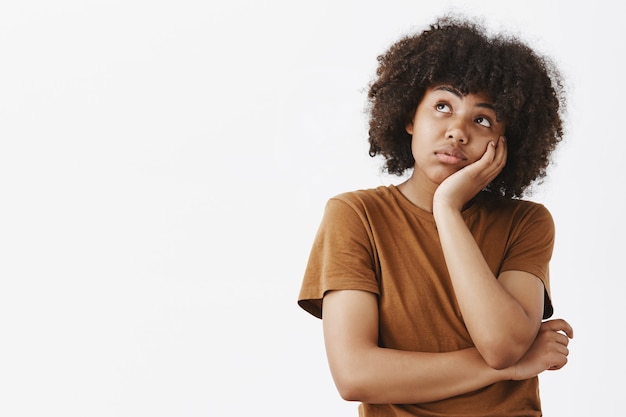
(441, 177)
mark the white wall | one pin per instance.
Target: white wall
(164, 167)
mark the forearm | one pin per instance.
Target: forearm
(500, 327)
(380, 376)
(363, 371)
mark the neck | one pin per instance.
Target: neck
(418, 194)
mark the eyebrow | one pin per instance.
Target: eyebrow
(457, 93)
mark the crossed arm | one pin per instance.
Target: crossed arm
(365, 372)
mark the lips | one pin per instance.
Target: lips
(450, 154)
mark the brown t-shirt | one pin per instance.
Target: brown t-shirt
(377, 241)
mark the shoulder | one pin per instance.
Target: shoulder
(361, 209)
(516, 208)
(365, 196)
(365, 200)
(516, 216)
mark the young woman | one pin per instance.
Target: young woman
(433, 292)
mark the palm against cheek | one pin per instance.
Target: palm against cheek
(463, 185)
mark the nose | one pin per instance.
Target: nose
(457, 132)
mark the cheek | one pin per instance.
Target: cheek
(500, 129)
(478, 149)
(417, 146)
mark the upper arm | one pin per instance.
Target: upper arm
(531, 251)
(528, 291)
(350, 323)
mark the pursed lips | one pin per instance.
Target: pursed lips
(452, 152)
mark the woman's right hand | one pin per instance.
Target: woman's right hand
(548, 352)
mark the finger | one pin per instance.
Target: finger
(557, 325)
(499, 156)
(487, 157)
(485, 169)
(481, 169)
(558, 360)
(558, 365)
(499, 160)
(563, 350)
(569, 330)
(562, 339)
(501, 152)
(488, 161)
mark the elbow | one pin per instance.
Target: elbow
(499, 362)
(501, 355)
(350, 392)
(353, 383)
(351, 388)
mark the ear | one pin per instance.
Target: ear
(410, 117)
(409, 127)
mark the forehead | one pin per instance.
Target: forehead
(478, 96)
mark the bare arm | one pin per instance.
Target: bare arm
(503, 315)
(504, 323)
(365, 372)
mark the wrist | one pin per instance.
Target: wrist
(510, 373)
(443, 209)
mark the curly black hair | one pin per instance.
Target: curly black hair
(526, 88)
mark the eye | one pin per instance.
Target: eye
(443, 107)
(483, 121)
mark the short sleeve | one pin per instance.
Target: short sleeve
(531, 249)
(342, 257)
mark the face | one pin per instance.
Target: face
(450, 131)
